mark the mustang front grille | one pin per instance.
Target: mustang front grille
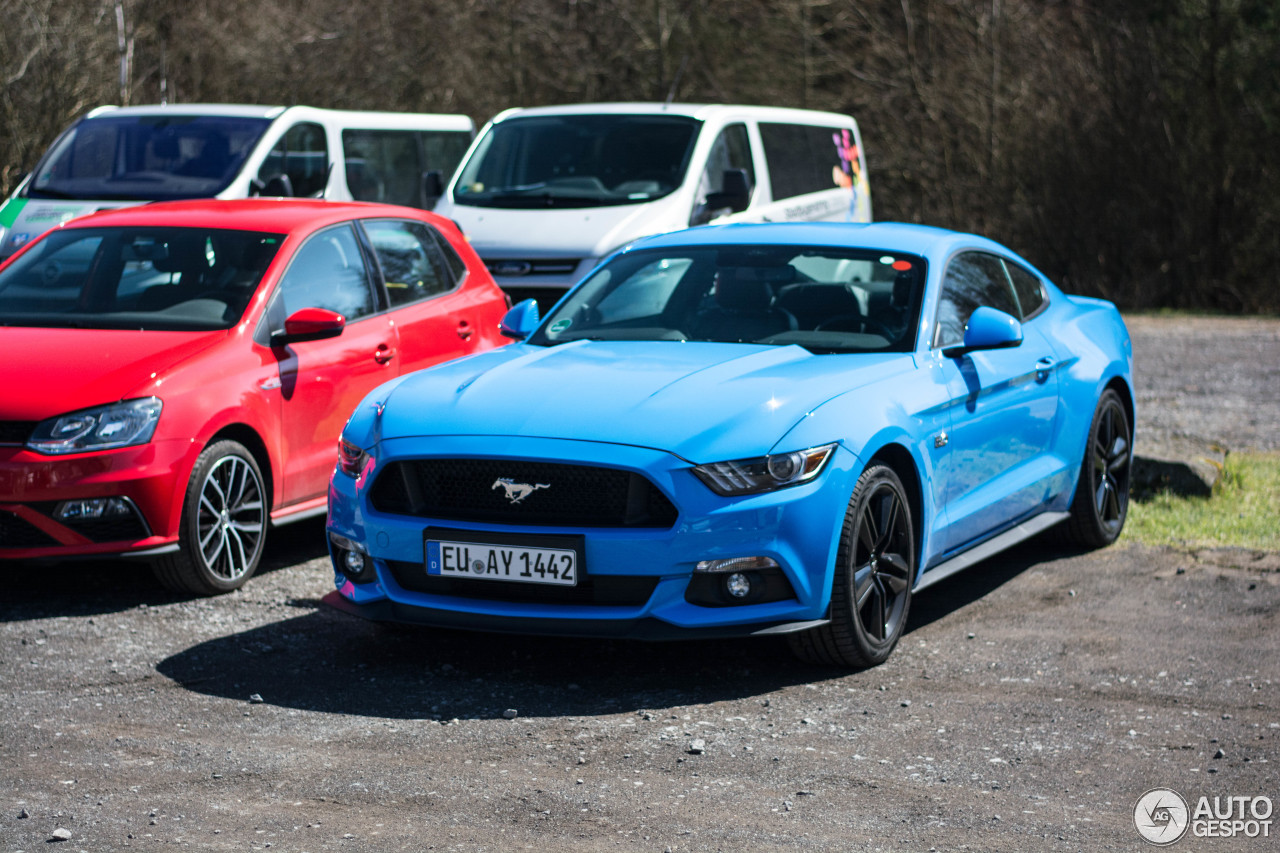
(521, 492)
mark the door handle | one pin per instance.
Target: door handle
(384, 354)
(464, 330)
(1043, 366)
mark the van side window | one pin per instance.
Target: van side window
(731, 150)
(329, 272)
(973, 279)
(412, 266)
(302, 156)
(802, 158)
(383, 165)
(1028, 288)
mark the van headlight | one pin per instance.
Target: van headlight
(99, 428)
(764, 473)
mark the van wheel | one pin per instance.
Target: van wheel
(871, 590)
(224, 524)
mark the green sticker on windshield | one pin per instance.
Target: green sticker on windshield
(559, 326)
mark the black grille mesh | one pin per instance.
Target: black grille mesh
(17, 532)
(562, 495)
(614, 590)
(15, 432)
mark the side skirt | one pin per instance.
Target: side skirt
(991, 547)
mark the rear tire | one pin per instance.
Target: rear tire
(224, 524)
(875, 567)
(1101, 503)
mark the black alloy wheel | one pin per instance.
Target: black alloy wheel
(874, 570)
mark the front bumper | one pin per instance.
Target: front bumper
(797, 527)
(151, 477)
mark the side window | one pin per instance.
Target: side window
(329, 272)
(412, 266)
(802, 158)
(302, 156)
(973, 279)
(1028, 288)
(456, 264)
(383, 165)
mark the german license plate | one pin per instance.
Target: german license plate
(486, 561)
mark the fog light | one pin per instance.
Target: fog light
(354, 561)
(736, 564)
(738, 585)
(93, 508)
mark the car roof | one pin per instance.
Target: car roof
(696, 111)
(893, 236)
(272, 215)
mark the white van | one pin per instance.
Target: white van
(546, 192)
(116, 156)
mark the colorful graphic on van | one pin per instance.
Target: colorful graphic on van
(849, 173)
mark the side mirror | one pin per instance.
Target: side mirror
(432, 187)
(735, 193)
(309, 324)
(988, 328)
(520, 322)
(278, 185)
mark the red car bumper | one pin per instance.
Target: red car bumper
(152, 479)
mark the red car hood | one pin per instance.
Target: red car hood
(47, 372)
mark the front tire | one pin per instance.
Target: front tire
(224, 524)
(875, 567)
(1101, 503)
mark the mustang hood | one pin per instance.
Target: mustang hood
(50, 372)
(704, 402)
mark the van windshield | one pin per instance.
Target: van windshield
(577, 161)
(146, 157)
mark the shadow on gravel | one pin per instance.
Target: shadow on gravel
(329, 661)
(92, 587)
(975, 582)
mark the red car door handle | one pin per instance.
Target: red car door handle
(383, 354)
(464, 329)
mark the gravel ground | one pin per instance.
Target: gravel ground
(1031, 702)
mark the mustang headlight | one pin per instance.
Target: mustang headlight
(100, 428)
(764, 473)
(351, 459)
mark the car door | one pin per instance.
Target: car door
(320, 382)
(1003, 404)
(436, 318)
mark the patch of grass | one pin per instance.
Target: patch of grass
(1242, 512)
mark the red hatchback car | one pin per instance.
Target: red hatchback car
(176, 375)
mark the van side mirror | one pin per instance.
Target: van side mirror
(735, 192)
(432, 187)
(278, 185)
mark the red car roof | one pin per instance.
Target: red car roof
(273, 215)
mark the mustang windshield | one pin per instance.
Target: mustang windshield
(146, 157)
(824, 299)
(176, 279)
(577, 161)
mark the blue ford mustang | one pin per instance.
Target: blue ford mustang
(751, 429)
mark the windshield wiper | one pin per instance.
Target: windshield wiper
(46, 192)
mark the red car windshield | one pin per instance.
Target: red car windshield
(173, 279)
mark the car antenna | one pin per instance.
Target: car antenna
(671, 95)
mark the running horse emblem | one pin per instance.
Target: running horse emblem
(516, 492)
